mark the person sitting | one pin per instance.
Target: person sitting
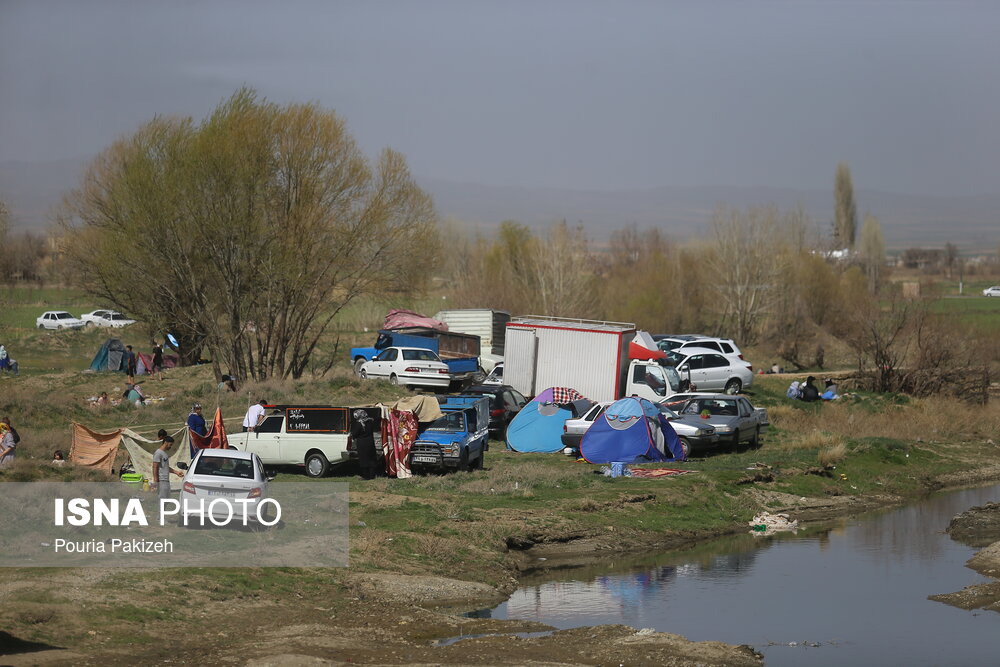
(57, 458)
(809, 391)
(829, 391)
(794, 391)
(133, 394)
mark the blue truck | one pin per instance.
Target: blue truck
(458, 440)
(459, 351)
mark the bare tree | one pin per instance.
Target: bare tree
(845, 210)
(872, 251)
(246, 235)
(560, 268)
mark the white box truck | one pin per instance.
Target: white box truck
(489, 325)
(587, 355)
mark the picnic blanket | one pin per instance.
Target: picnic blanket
(658, 472)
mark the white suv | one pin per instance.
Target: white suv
(680, 343)
(709, 370)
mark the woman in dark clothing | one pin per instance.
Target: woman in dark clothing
(157, 361)
(809, 390)
(363, 434)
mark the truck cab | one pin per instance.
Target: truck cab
(312, 436)
(458, 440)
(652, 380)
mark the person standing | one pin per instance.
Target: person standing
(161, 466)
(157, 361)
(254, 416)
(195, 421)
(363, 435)
(7, 446)
(130, 364)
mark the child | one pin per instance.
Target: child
(57, 458)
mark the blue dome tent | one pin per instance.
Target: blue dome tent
(631, 430)
(538, 427)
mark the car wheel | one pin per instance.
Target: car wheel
(41, 326)
(59, 326)
(734, 386)
(755, 440)
(89, 325)
(363, 374)
(317, 465)
(463, 460)
(393, 379)
(479, 376)
(685, 446)
(358, 363)
(480, 460)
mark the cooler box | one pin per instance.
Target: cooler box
(133, 479)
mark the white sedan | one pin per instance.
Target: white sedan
(235, 477)
(58, 319)
(992, 291)
(409, 366)
(106, 318)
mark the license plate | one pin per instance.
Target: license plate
(425, 459)
(221, 492)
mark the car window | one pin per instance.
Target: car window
(744, 408)
(714, 361)
(727, 348)
(668, 345)
(260, 468)
(419, 355)
(386, 355)
(224, 466)
(271, 424)
(594, 413)
(696, 362)
(714, 406)
(64, 316)
(451, 421)
(519, 400)
(117, 316)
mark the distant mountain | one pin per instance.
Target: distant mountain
(32, 190)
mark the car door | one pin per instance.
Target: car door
(381, 365)
(716, 369)
(695, 365)
(747, 424)
(265, 440)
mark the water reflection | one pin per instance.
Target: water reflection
(858, 588)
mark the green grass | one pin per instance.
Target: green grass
(981, 312)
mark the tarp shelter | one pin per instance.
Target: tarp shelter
(631, 430)
(91, 449)
(398, 319)
(144, 362)
(425, 408)
(538, 427)
(111, 357)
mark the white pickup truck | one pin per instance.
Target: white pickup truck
(314, 436)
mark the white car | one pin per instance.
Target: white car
(992, 291)
(495, 376)
(229, 474)
(409, 366)
(709, 370)
(106, 318)
(58, 319)
(682, 343)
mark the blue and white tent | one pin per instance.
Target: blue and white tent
(631, 430)
(538, 427)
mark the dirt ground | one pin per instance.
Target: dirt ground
(978, 527)
(378, 618)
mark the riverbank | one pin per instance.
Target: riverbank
(422, 547)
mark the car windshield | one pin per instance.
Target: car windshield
(675, 358)
(667, 345)
(64, 316)
(667, 412)
(717, 407)
(419, 355)
(224, 466)
(451, 421)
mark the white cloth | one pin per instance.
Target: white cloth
(254, 414)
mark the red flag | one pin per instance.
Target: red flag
(215, 438)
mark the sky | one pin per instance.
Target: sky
(545, 93)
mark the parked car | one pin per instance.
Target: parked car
(505, 403)
(709, 370)
(106, 318)
(693, 433)
(734, 418)
(992, 291)
(58, 319)
(683, 343)
(223, 473)
(314, 436)
(495, 376)
(456, 440)
(409, 366)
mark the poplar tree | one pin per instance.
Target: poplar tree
(845, 210)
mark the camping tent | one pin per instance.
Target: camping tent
(538, 427)
(631, 430)
(111, 357)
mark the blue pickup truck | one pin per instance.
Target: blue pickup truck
(457, 440)
(459, 351)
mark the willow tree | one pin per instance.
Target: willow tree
(246, 234)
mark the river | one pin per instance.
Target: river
(854, 593)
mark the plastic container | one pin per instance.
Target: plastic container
(133, 479)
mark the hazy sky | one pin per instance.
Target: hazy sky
(560, 93)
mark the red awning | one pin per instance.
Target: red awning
(636, 351)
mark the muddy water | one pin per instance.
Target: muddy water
(851, 594)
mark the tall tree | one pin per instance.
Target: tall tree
(872, 251)
(247, 234)
(845, 210)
